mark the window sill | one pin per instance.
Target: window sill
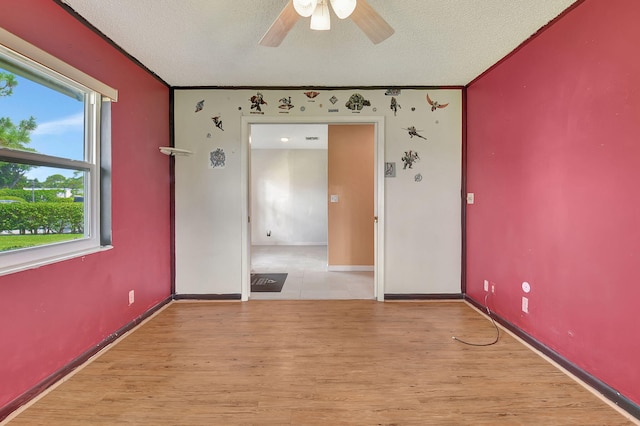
(53, 259)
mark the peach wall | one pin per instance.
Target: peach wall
(351, 178)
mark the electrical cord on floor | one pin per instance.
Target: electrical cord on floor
(492, 321)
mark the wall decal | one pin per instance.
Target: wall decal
(435, 104)
(413, 132)
(418, 177)
(413, 108)
(395, 106)
(390, 169)
(209, 135)
(217, 159)
(334, 110)
(200, 105)
(392, 92)
(218, 122)
(311, 95)
(333, 100)
(409, 158)
(356, 102)
(285, 103)
(257, 101)
(302, 108)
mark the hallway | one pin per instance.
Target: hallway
(308, 277)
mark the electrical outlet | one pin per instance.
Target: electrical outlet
(525, 305)
(493, 288)
(132, 297)
(486, 285)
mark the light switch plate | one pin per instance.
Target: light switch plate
(334, 198)
(470, 198)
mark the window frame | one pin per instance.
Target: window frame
(96, 190)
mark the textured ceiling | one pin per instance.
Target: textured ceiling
(215, 42)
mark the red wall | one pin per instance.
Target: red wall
(553, 160)
(53, 314)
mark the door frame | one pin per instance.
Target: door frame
(245, 152)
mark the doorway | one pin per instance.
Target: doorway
(286, 248)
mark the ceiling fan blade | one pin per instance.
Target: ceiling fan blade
(371, 23)
(280, 27)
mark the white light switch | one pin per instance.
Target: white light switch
(334, 198)
(470, 198)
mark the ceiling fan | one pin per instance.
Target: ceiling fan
(360, 12)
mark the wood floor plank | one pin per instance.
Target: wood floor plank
(318, 362)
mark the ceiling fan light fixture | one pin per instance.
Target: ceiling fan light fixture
(343, 8)
(305, 7)
(320, 19)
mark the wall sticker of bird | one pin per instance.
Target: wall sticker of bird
(435, 104)
(218, 122)
(413, 132)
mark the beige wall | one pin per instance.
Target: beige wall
(420, 234)
(289, 196)
(351, 178)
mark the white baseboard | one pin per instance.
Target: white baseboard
(350, 268)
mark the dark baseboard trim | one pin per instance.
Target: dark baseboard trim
(56, 376)
(607, 391)
(423, 296)
(231, 296)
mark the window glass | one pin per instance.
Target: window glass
(48, 159)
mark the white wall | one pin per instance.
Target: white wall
(422, 235)
(289, 196)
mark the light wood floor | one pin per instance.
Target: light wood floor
(318, 362)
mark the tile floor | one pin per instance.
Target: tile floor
(308, 276)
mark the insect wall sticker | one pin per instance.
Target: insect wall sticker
(413, 132)
(311, 94)
(200, 105)
(257, 101)
(435, 104)
(409, 158)
(218, 122)
(395, 106)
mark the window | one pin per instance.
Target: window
(53, 178)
